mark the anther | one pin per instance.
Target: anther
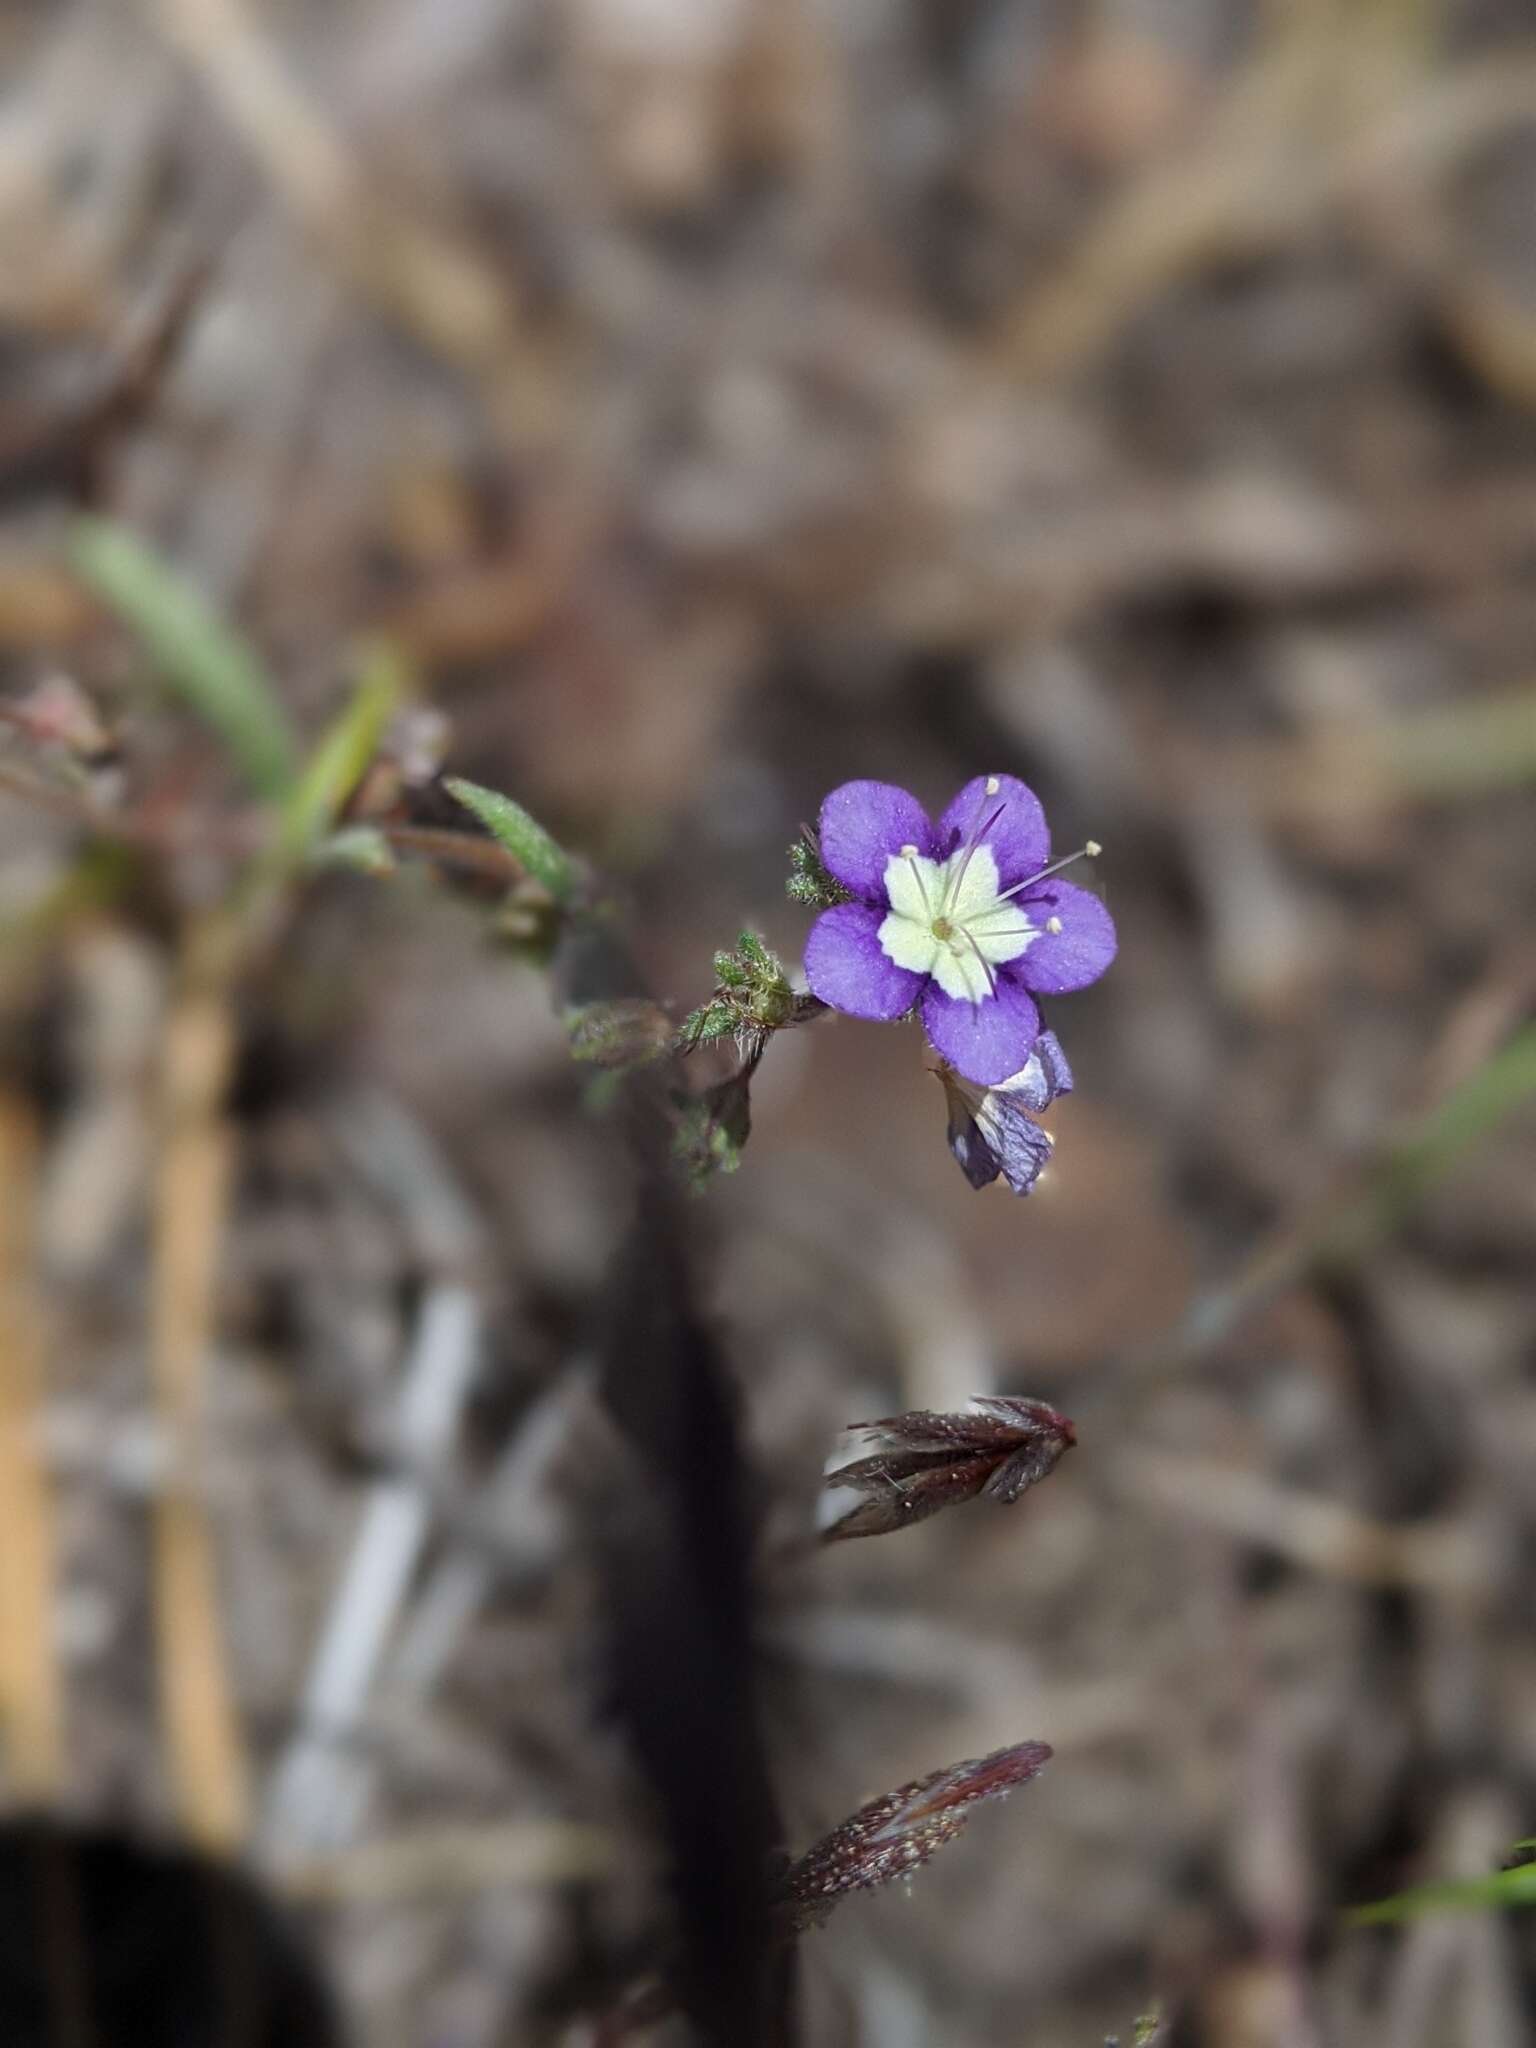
(993, 785)
(1053, 925)
(1093, 849)
(909, 852)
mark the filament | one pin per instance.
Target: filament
(986, 965)
(983, 827)
(1055, 868)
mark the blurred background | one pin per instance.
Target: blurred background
(709, 401)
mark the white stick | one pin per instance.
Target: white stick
(317, 1789)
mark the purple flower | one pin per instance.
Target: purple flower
(968, 918)
(1043, 1076)
(990, 1130)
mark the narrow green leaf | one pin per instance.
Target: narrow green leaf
(1477, 745)
(1499, 1888)
(214, 671)
(344, 751)
(1503, 1084)
(1336, 1236)
(523, 836)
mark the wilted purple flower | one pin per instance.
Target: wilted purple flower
(1043, 1076)
(990, 1130)
(968, 917)
(922, 1462)
(893, 1835)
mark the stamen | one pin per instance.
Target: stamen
(917, 876)
(1088, 852)
(953, 880)
(986, 965)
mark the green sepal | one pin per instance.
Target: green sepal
(809, 883)
(712, 1021)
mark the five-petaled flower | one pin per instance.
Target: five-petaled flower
(967, 917)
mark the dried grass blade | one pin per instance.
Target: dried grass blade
(207, 1757)
(30, 1703)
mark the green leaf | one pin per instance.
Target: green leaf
(523, 836)
(344, 751)
(712, 1129)
(627, 1031)
(1336, 1236)
(213, 669)
(1493, 1092)
(1501, 1888)
(1476, 745)
(362, 848)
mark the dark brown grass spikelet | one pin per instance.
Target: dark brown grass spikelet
(897, 1832)
(888, 1838)
(922, 1462)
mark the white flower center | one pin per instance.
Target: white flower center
(950, 919)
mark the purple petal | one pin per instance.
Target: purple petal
(1022, 1150)
(985, 1041)
(1044, 1075)
(976, 1159)
(846, 967)
(1059, 962)
(1058, 1074)
(1008, 819)
(862, 825)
